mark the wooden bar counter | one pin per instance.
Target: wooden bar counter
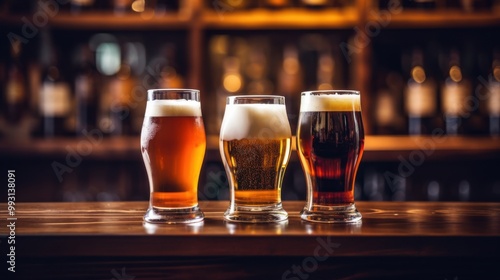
(396, 240)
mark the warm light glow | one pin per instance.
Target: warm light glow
(234, 3)
(325, 86)
(138, 6)
(326, 63)
(232, 82)
(496, 73)
(291, 65)
(418, 74)
(219, 44)
(455, 74)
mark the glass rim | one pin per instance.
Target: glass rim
(173, 90)
(331, 92)
(257, 96)
(173, 93)
(275, 99)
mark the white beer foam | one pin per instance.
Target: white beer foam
(255, 121)
(173, 108)
(330, 102)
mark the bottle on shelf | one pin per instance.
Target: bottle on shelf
(476, 5)
(493, 96)
(3, 82)
(232, 83)
(388, 116)
(120, 89)
(325, 71)
(161, 7)
(290, 83)
(256, 68)
(85, 88)
(454, 93)
(232, 5)
(81, 6)
(121, 7)
(310, 48)
(169, 76)
(434, 190)
(329, 73)
(16, 92)
(55, 92)
(464, 190)
(420, 96)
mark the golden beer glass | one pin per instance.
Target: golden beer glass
(173, 144)
(330, 142)
(255, 145)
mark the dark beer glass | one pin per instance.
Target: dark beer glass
(330, 142)
(255, 145)
(173, 146)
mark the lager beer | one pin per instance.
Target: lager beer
(330, 141)
(173, 147)
(255, 145)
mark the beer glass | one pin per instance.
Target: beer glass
(330, 142)
(255, 145)
(173, 146)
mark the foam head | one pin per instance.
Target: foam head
(173, 108)
(330, 102)
(255, 121)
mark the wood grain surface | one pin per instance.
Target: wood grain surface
(395, 239)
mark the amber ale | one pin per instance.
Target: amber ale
(255, 145)
(330, 141)
(173, 147)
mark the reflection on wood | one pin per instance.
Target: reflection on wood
(395, 240)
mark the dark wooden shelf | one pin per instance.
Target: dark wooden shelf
(107, 20)
(440, 19)
(259, 19)
(390, 148)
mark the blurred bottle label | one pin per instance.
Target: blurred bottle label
(15, 92)
(55, 99)
(421, 99)
(454, 96)
(494, 99)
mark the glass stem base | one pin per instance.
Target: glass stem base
(331, 214)
(159, 215)
(256, 214)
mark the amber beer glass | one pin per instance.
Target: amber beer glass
(330, 141)
(255, 145)
(173, 147)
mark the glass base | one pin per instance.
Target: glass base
(256, 214)
(332, 214)
(158, 215)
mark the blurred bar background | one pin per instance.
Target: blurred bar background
(74, 76)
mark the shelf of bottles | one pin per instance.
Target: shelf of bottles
(61, 82)
(88, 66)
(438, 85)
(269, 62)
(435, 13)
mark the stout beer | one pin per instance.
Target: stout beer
(330, 141)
